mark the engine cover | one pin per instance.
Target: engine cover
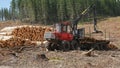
(64, 36)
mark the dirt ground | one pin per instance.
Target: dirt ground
(29, 58)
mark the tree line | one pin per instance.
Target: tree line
(51, 11)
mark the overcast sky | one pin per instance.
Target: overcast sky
(5, 3)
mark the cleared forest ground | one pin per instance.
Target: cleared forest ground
(72, 59)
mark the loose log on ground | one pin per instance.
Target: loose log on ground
(88, 53)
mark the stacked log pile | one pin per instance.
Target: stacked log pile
(31, 33)
(15, 42)
(24, 37)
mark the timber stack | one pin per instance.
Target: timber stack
(15, 42)
(31, 33)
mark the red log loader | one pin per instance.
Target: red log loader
(66, 35)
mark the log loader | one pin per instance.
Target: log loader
(66, 35)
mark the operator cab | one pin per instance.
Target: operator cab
(68, 28)
(63, 27)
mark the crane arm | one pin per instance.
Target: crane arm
(75, 21)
